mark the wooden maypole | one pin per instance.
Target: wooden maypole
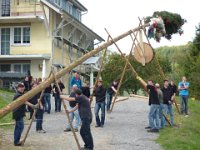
(21, 100)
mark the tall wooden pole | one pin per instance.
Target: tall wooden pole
(22, 99)
(66, 112)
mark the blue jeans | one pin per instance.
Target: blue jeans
(154, 116)
(19, 127)
(109, 100)
(169, 110)
(47, 99)
(39, 117)
(162, 118)
(98, 106)
(57, 102)
(73, 115)
(184, 104)
(86, 133)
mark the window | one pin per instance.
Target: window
(22, 35)
(5, 8)
(78, 14)
(57, 2)
(69, 7)
(17, 35)
(5, 41)
(26, 68)
(26, 35)
(17, 67)
(5, 67)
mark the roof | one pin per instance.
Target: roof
(91, 60)
(78, 4)
(79, 25)
(25, 57)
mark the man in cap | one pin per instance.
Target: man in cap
(19, 113)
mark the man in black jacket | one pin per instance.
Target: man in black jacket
(18, 115)
(167, 100)
(83, 105)
(100, 93)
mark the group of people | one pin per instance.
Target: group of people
(161, 100)
(79, 106)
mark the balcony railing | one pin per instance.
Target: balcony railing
(12, 74)
(21, 8)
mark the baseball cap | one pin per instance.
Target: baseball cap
(20, 85)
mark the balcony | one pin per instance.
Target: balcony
(12, 74)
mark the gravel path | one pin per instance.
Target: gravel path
(123, 130)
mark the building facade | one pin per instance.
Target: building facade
(38, 34)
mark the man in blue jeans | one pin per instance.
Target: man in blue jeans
(83, 105)
(154, 107)
(47, 98)
(168, 101)
(184, 94)
(109, 95)
(74, 114)
(18, 115)
(100, 93)
(57, 95)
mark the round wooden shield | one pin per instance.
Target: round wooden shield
(143, 56)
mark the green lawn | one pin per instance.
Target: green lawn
(4, 100)
(187, 135)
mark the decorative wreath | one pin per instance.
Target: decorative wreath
(164, 24)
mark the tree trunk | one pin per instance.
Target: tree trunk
(21, 100)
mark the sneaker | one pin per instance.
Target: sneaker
(67, 130)
(148, 127)
(101, 126)
(42, 131)
(186, 116)
(18, 144)
(153, 130)
(97, 126)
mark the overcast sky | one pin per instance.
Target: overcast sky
(119, 16)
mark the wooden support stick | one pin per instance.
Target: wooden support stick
(123, 99)
(177, 108)
(98, 75)
(123, 73)
(32, 119)
(67, 114)
(33, 116)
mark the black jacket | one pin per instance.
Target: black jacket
(86, 91)
(20, 111)
(100, 93)
(167, 95)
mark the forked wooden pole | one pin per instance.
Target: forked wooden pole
(98, 75)
(134, 72)
(66, 112)
(123, 73)
(33, 116)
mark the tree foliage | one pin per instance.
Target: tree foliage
(115, 65)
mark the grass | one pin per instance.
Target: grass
(187, 135)
(3, 102)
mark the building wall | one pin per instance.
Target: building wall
(40, 43)
(25, 7)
